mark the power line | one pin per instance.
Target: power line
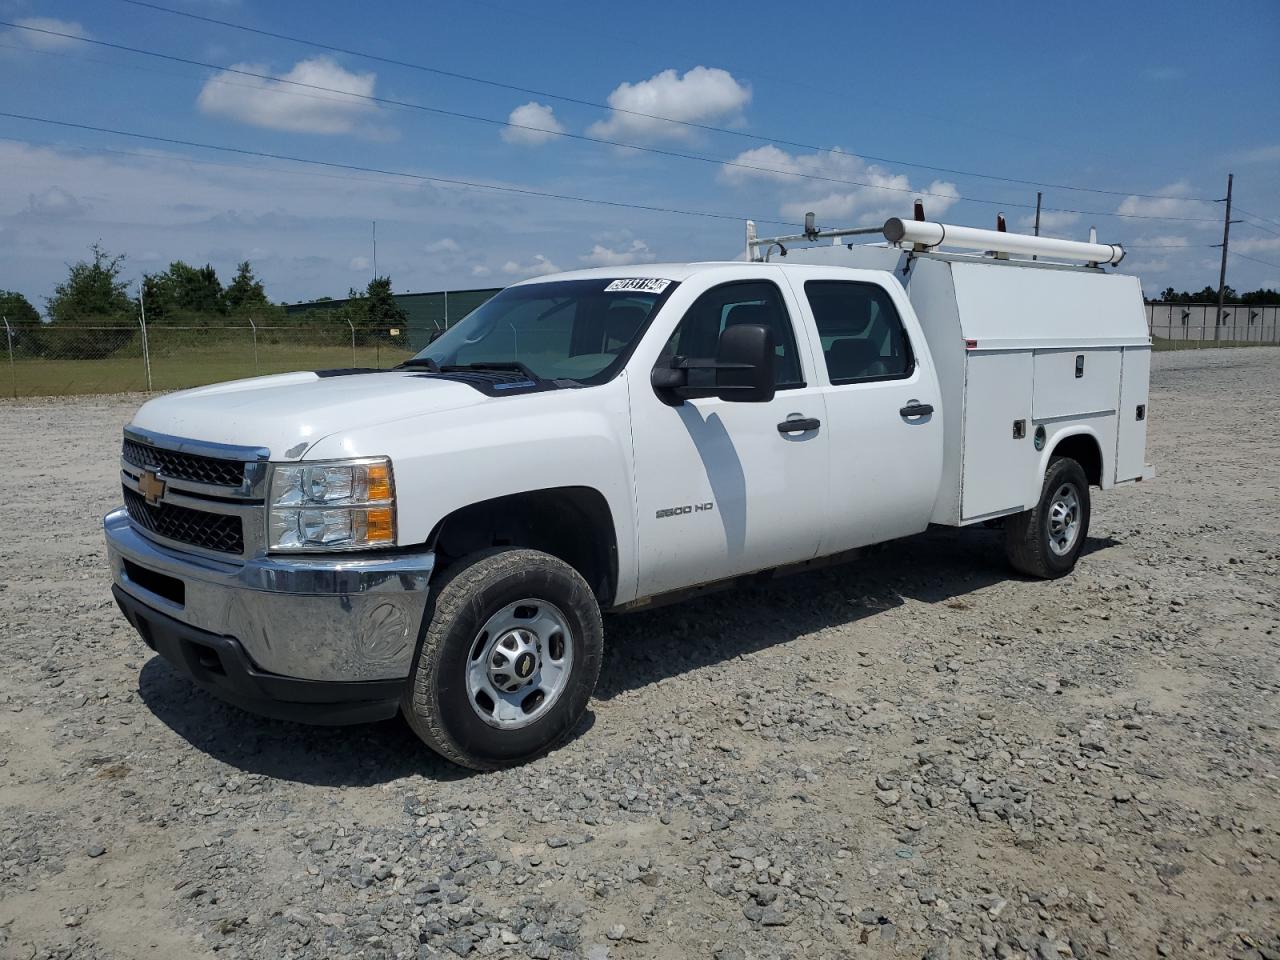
(406, 104)
(411, 105)
(1265, 263)
(1257, 226)
(760, 138)
(183, 158)
(449, 181)
(1258, 216)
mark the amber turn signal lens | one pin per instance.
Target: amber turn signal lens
(379, 481)
(380, 525)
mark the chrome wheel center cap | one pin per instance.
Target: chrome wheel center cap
(515, 660)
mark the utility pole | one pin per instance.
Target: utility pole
(1222, 273)
(375, 249)
(1038, 196)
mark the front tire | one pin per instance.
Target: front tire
(509, 655)
(1046, 541)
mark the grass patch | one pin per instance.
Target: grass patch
(190, 367)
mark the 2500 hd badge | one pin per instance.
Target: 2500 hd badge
(687, 508)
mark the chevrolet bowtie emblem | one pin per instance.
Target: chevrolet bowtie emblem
(151, 487)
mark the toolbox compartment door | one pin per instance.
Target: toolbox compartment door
(1076, 382)
(996, 462)
(1131, 431)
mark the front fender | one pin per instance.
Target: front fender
(504, 446)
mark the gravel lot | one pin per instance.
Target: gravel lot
(916, 755)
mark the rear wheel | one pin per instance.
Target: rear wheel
(509, 656)
(1046, 541)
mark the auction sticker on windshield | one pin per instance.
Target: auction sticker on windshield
(638, 285)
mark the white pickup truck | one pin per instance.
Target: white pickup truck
(440, 539)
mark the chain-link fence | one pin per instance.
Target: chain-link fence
(49, 359)
(1178, 325)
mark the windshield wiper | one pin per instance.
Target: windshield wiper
(431, 365)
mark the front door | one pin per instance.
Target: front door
(721, 489)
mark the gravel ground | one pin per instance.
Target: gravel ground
(916, 755)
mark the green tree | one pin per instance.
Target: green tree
(245, 291)
(25, 328)
(381, 307)
(184, 293)
(16, 308)
(92, 292)
(156, 299)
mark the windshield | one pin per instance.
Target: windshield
(581, 330)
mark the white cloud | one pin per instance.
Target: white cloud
(602, 256)
(536, 123)
(1266, 154)
(1052, 222)
(537, 267)
(876, 196)
(443, 245)
(1170, 201)
(283, 106)
(45, 41)
(1170, 240)
(1255, 244)
(702, 95)
(54, 203)
(480, 270)
(296, 224)
(359, 263)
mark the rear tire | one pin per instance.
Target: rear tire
(509, 655)
(1046, 541)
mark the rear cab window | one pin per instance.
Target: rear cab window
(862, 336)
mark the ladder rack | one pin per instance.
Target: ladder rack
(923, 235)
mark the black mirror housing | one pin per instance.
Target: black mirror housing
(742, 371)
(744, 364)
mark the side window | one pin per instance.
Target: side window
(861, 332)
(747, 301)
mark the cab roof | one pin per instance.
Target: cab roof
(666, 271)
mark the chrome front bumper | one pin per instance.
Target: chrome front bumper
(327, 618)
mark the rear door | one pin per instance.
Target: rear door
(884, 422)
(720, 489)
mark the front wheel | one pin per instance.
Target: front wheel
(509, 655)
(1046, 541)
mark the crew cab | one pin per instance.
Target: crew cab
(440, 539)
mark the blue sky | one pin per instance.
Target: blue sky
(1119, 97)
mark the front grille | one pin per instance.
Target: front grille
(184, 466)
(212, 531)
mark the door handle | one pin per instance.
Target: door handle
(915, 409)
(799, 425)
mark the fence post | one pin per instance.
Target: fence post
(146, 347)
(446, 309)
(353, 342)
(13, 370)
(254, 327)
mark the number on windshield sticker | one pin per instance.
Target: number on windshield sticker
(638, 285)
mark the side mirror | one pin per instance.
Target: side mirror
(742, 371)
(744, 364)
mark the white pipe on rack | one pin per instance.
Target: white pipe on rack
(929, 234)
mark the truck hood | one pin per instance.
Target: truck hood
(289, 412)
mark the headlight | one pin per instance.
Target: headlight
(332, 505)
